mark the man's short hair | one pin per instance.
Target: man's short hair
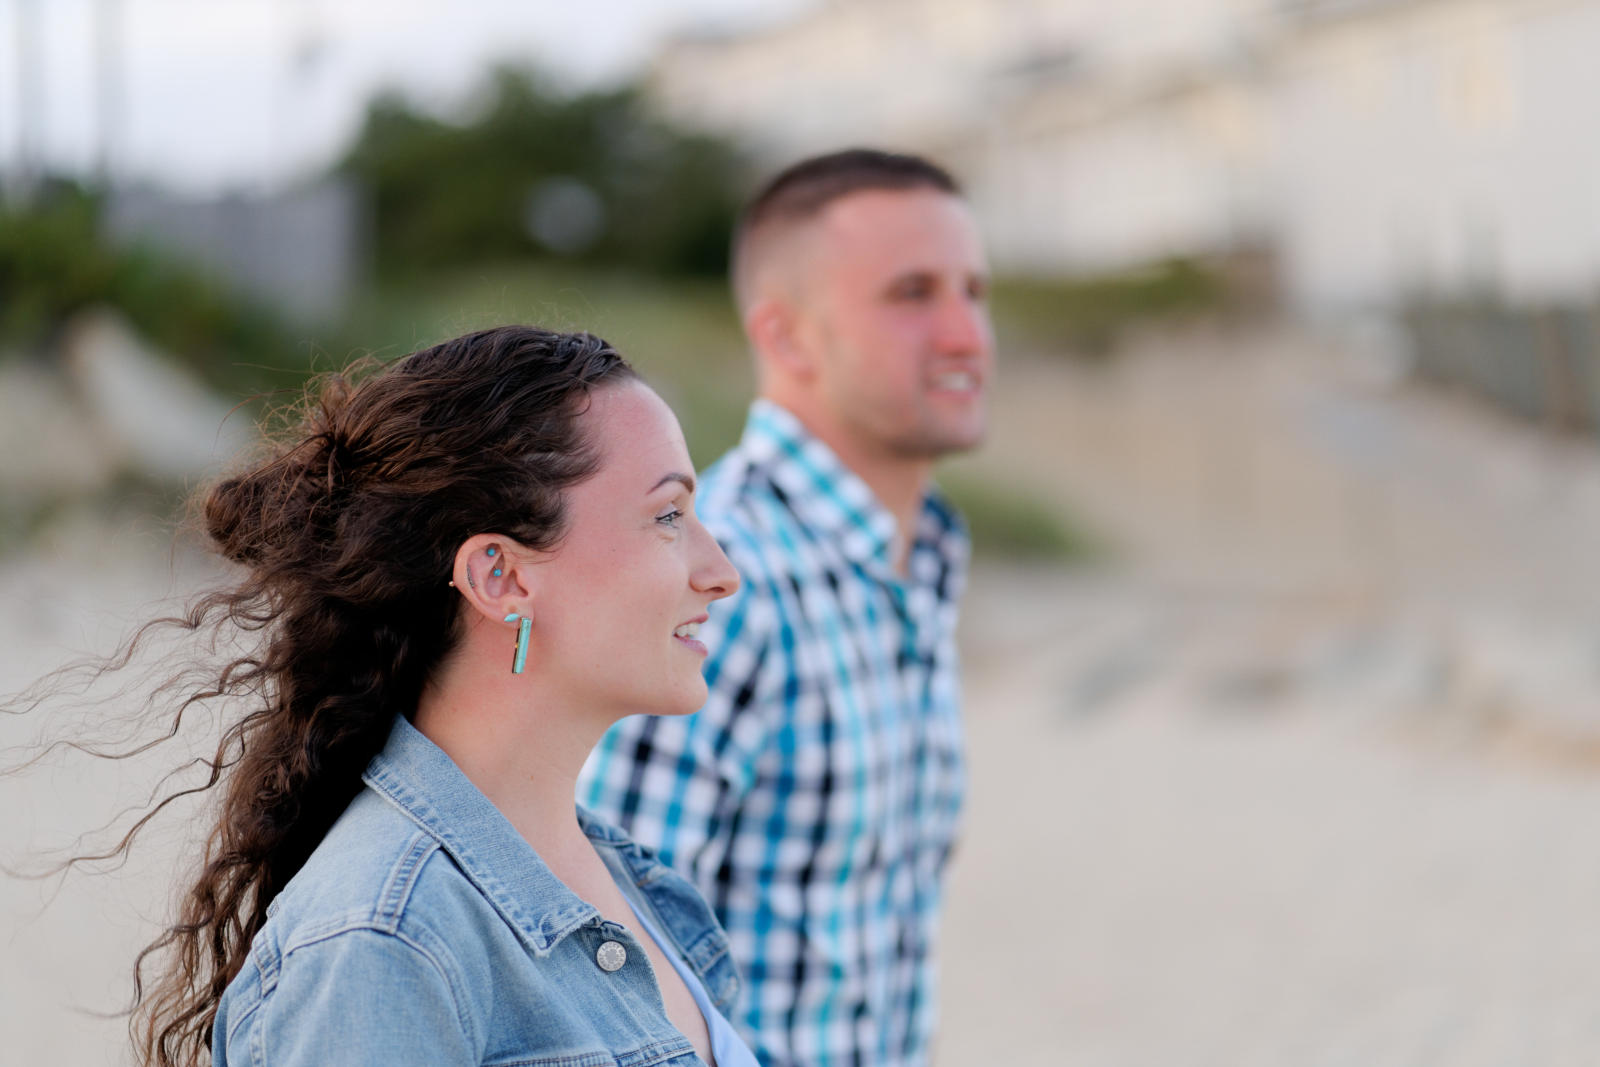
(801, 191)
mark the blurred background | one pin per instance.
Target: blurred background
(1282, 648)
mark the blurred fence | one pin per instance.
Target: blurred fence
(1540, 363)
(300, 253)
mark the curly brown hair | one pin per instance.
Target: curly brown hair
(347, 532)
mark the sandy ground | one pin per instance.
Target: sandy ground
(1298, 776)
(1173, 879)
(1301, 778)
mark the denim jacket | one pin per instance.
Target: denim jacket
(425, 930)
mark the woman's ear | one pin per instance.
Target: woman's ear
(491, 573)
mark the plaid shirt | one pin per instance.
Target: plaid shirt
(815, 799)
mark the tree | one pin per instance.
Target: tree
(595, 177)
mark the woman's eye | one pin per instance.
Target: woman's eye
(670, 518)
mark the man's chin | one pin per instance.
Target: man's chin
(945, 441)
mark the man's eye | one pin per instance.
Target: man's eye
(670, 518)
(912, 290)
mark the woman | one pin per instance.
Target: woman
(460, 571)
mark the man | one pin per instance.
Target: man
(815, 798)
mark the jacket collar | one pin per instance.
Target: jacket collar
(416, 776)
(681, 914)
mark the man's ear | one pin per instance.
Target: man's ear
(774, 328)
(494, 574)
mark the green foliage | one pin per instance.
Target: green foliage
(680, 332)
(54, 263)
(50, 263)
(1088, 315)
(446, 193)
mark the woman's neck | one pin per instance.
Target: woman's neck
(521, 748)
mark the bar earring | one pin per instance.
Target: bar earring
(519, 658)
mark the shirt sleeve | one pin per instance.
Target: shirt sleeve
(359, 997)
(677, 784)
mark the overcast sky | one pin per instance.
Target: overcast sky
(248, 94)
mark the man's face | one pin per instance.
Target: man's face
(892, 307)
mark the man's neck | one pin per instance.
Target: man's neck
(900, 487)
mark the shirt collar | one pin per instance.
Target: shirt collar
(828, 496)
(417, 777)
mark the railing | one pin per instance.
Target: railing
(1541, 363)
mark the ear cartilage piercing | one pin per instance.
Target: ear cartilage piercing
(496, 572)
(520, 658)
(491, 552)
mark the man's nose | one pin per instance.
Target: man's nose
(964, 326)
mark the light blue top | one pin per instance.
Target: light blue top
(727, 1047)
(425, 929)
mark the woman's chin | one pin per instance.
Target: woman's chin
(692, 702)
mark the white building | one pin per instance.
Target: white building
(1440, 146)
(1378, 146)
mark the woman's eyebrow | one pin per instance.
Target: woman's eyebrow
(686, 480)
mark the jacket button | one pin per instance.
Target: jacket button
(611, 956)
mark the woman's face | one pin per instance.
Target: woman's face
(615, 606)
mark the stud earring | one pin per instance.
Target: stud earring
(491, 552)
(519, 656)
(497, 572)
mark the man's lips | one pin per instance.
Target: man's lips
(957, 381)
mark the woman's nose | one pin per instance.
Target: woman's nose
(715, 573)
